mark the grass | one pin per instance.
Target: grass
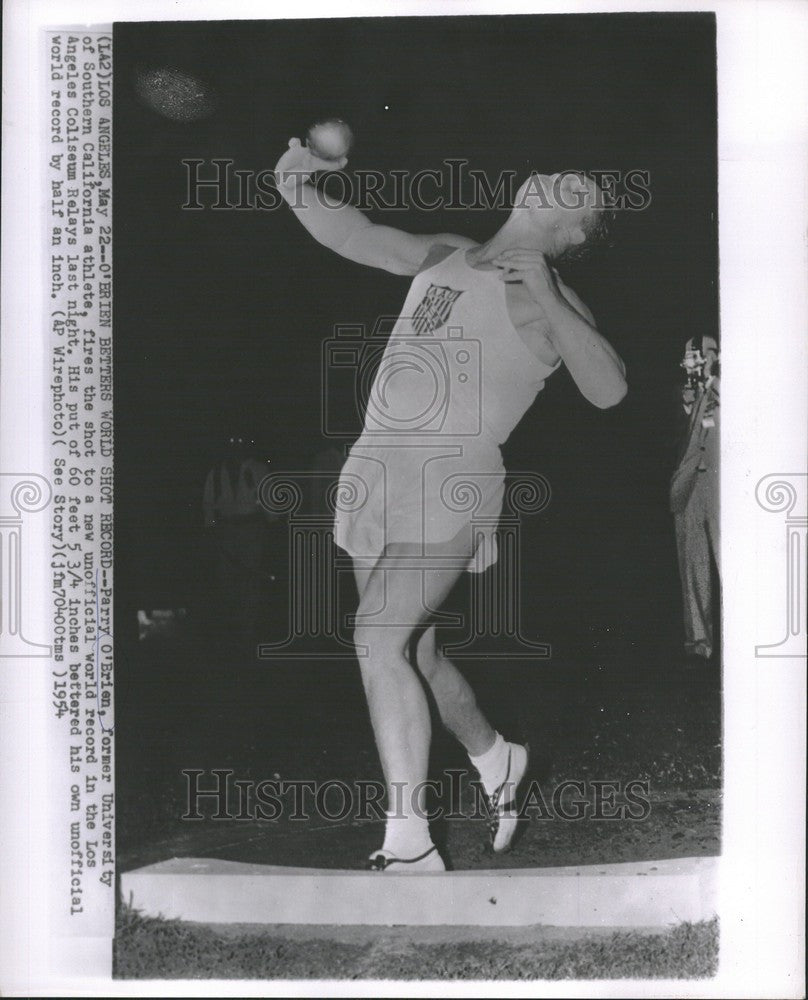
(147, 948)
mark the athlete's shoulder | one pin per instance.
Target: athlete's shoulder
(438, 252)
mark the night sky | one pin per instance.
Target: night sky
(220, 316)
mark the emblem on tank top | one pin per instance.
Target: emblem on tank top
(434, 309)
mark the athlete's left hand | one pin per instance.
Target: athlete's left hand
(532, 268)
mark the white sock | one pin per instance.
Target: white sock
(493, 764)
(406, 836)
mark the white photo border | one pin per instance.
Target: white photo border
(763, 195)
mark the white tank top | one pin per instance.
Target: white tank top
(454, 365)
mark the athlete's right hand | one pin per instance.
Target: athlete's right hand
(298, 164)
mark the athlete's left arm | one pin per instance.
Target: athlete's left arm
(594, 364)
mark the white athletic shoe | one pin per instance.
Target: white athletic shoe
(505, 803)
(384, 861)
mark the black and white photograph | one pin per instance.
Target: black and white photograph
(417, 390)
(389, 602)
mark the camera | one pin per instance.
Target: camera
(693, 365)
(402, 385)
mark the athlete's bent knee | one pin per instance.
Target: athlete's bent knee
(376, 644)
(427, 657)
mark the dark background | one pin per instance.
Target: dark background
(220, 316)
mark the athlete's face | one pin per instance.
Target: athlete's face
(562, 204)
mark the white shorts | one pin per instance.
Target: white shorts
(425, 492)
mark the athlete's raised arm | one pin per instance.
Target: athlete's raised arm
(343, 228)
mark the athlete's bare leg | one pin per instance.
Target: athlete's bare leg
(502, 766)
(453, 694)
(454, 697)
(392, 606)
(395, 605)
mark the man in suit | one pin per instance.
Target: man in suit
(694, 498)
